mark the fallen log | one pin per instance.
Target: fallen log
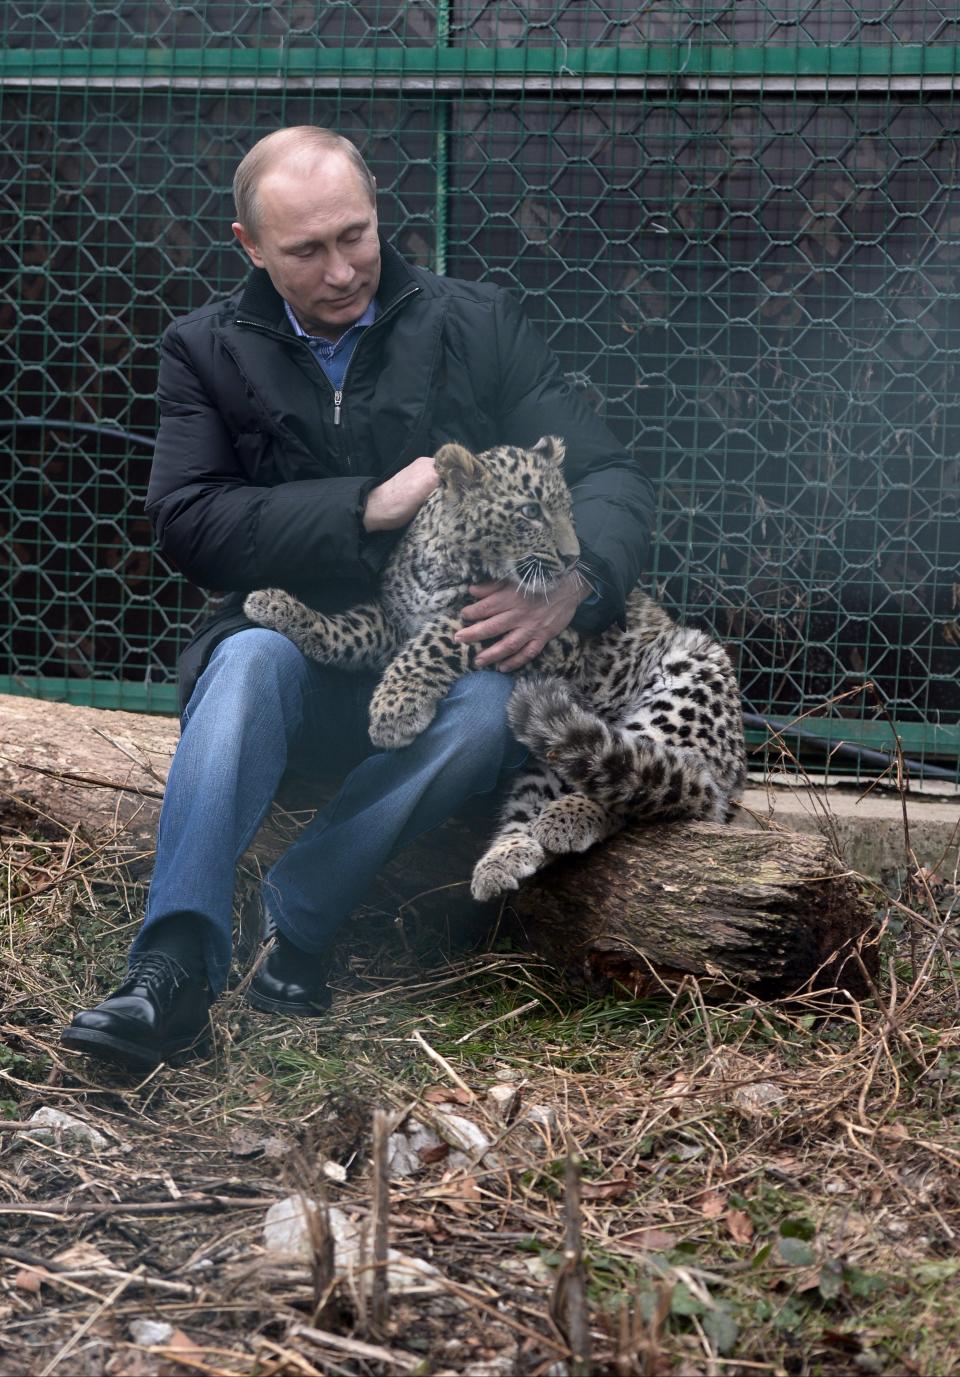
(771, 910)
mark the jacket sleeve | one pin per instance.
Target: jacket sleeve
(613, 499)
(227, 534)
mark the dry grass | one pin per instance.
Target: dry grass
(764, 1187)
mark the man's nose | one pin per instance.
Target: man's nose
(339, 271)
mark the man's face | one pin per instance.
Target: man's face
(317, 239)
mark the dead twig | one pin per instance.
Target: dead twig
(322, 1338)
(380, 1225)
(569, 1302)
(442, 1062)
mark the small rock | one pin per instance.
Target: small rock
(244, 1143)
(503, 1099)
(756, 1097)
(541, 1116)
(149, 1332)
(468, 1140)
(404, 1148)
(529, 1268)
(286, 1232)
(56, 1125)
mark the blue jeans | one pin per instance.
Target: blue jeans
(261, 706)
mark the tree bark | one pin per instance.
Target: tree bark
(770, 910)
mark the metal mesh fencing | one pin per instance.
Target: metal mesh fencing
(737, 224)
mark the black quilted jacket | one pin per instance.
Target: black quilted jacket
(258, 481)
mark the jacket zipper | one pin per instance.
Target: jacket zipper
(337, 392)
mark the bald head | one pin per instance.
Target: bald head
(296, 152)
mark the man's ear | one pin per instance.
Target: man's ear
(248, 245)
(551, 447)
(457, 468)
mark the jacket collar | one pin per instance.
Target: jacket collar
(262, 303)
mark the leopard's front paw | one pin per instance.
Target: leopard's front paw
(571, 823)
(504, 866)
(270, 607)
(394, 724)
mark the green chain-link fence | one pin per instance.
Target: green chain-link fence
(737, 223)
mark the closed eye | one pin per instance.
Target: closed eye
(532, 511)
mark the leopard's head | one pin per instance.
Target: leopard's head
(511, 509)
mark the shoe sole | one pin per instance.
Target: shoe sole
(122, 1053)
(279, 1006)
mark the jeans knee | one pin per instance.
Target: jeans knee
(252, 667)
(481, 697)
(475, 714)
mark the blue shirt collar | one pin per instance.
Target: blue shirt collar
(331, 347)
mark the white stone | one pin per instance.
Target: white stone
(403, 1148)
(58, 1125)
(756, 1097)
(462, 1134)
(148, 1332)
(286, 1233)
(541, 1115)
(503, 1099)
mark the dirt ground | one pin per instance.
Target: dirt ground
(763, 1187)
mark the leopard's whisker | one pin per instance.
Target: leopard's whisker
(579, 571)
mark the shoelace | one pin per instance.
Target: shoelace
(158, 965)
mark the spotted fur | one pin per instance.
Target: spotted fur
(639, 723)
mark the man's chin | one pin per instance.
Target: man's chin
(336, 317)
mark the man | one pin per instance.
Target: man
(297, 423)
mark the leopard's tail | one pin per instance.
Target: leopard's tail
(648, 777)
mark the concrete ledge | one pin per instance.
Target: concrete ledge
(868, 828)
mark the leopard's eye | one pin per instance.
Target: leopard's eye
(532, 511)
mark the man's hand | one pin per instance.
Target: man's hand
(522, 622)
(398, 500)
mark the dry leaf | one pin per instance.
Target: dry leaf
(30, 1280)
(607, 1190)
(462, 1192)
(712, 1204)
(740, 1225)
(179, 1345)
(649, 1240)
(429, 1155)
(446, 1094)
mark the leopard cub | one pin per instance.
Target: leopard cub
(635, 723)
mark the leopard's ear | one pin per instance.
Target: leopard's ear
(551, 447)
(457, 468)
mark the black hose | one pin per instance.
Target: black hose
(92, 427)
(868, 756)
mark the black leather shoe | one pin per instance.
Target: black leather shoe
(290, 981)
(158, 1013)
